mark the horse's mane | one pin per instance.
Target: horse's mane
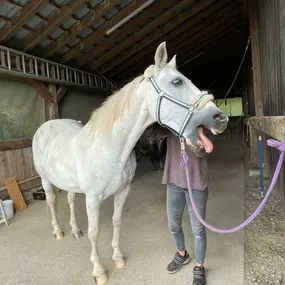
(114, 107)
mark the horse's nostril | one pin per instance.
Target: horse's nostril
(219, 117)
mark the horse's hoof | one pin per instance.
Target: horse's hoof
(58, 235)
(101, 279)
(119, 263)
(77, 235)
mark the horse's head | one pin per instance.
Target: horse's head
(176, 103)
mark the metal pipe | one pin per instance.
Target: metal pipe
(260, 151)
(133, 14)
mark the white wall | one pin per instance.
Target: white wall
(79, 105)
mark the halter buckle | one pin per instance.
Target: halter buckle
(192, 108)
(182, 144)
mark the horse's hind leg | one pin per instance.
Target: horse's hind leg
(50, 195)
(75, 231)
(119, 201)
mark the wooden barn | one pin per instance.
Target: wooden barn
(64, 58)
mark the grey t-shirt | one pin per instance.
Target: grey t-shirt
(197, 163)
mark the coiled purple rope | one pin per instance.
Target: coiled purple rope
(272, 143)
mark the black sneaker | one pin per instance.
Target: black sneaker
(199, 276)
(177, 262)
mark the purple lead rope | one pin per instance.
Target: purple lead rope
(272, 143)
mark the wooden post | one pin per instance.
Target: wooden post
(53, 107)
(49, 95)
(253, 19)
(61, 93)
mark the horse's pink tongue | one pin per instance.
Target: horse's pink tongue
(207, 143)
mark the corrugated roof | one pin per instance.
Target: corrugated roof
(74, 32)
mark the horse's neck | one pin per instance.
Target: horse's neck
(125, 133)
(129, 130)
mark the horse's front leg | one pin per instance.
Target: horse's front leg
(92, 208)
(119, 201)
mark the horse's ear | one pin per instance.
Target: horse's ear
(160, 57)
(172, 62)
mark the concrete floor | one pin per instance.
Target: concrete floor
(29, 256)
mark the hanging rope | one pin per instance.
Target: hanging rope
(242, 60)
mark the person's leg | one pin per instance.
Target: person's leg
(199, 232)
(175, 206)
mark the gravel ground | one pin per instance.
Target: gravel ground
(264, 238)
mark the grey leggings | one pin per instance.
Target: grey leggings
(176, 199)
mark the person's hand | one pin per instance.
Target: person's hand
(197, 148)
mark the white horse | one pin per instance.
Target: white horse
(98, 159)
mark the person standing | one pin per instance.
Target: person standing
(178, 197)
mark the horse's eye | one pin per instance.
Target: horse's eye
(177, 82)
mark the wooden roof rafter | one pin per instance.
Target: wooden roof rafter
(106, 46)
(18, 21)
(173, 30)
(74, 31)
(58, 32)
(101, 32)
(150, 28)
(52, 24)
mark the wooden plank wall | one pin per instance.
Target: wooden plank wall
(271, 40)
(16, 160)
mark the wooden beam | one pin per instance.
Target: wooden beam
(52, 24)
(49, 96)
(53, 107)
(61, 93)
(273, 126)
(70, 35)
(170, 18)
(105, 48)
(42, 90)
(190, 42)
(171, 32)
(15, 144)
(253, 19)
(19, 20)
(101, 32)
(15, 193)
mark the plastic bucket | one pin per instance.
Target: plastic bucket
(8, 209)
